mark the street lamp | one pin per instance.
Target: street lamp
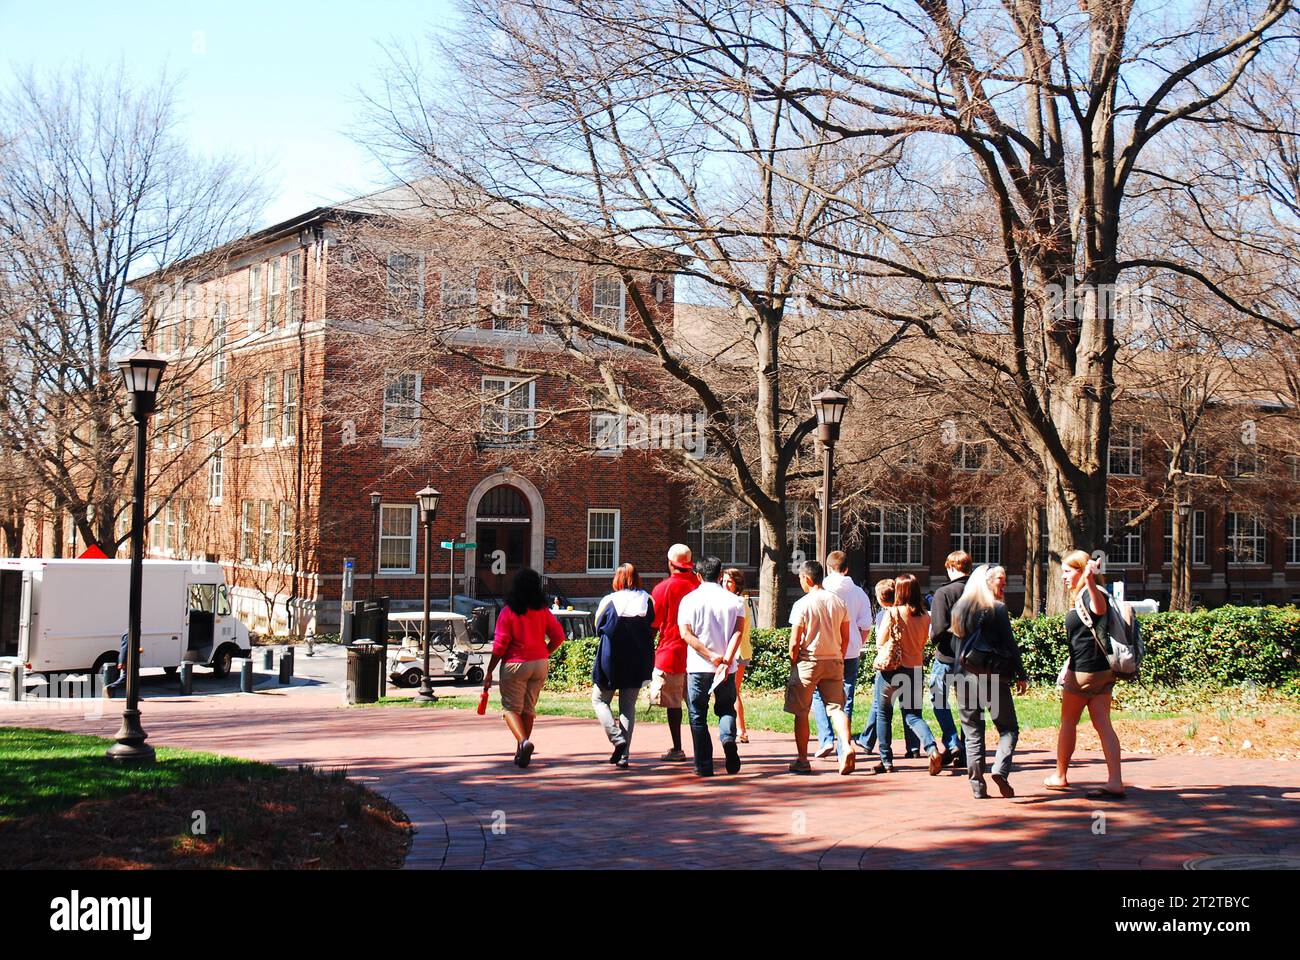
(375, 500)
(428, 498)
(829, 407)
(141, 374)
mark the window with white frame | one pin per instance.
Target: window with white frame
(1125, 450)
(1293, 539)
(608, 300)
(510, 301)
(723, 536)
(266, 530)
(1244, 462)
(1198, 537)
(405, 285)
(256, 315)
(978, 533)
(220, 362)
(1247, 538)
(397, 539)
(508, 414)
(270, 405)
(560, 289)
(602, 541)
(289, 405)
(801, 519)
(971, 455)
(216, 472)
(296, 312)
(608, 431)
(285, 547)
(247, 532)
(897, 536)
(155, 527)
(189, 310)
(460, 293)
(274, 293)
(1125, 541)
(401, 420)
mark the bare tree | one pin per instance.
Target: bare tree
(97, 191)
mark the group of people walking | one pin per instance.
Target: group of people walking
(689, 640)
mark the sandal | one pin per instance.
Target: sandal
(800, 766)
(1058, 787)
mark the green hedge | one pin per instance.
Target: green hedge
(1230, 645)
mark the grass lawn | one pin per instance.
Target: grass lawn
(765, 711)
(64, 804)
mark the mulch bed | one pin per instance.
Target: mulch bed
(1273, 737)
(299, 821)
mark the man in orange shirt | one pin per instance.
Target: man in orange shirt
(668, 683)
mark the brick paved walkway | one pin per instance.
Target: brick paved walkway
(451, 772)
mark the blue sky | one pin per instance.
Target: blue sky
(276, 82)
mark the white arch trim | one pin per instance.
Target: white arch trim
(507, 478)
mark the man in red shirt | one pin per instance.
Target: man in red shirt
(668, 684)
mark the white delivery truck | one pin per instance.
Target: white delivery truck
(66, 616)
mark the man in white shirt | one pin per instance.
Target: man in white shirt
(838, 582)
(710, 619)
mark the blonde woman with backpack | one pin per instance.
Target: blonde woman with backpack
(1087, 680)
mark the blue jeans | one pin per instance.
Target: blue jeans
(825, 733)
(867, 738)
(941, 679)
(697, 707)
(906, 685)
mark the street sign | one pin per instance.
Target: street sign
(447, 545)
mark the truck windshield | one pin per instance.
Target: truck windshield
(203, 597)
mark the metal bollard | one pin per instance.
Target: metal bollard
(286, 665)
(16, 682)
(245, 675)
(311, 644)
(187, 679)
(268, 658)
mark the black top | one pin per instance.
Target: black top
(997, 628)
(1085, 655)
(941, 615)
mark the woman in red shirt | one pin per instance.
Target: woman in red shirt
(527, 634)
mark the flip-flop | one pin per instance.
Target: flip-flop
(1058, 787)
(1101, 793)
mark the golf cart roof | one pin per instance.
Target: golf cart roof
(570, 613)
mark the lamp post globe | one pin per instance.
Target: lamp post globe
(428, 500)
(142, 374)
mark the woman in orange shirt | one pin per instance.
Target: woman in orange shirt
(900, 643)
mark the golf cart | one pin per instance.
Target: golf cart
(455, 652)
(576, 623)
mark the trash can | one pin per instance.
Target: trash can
(365, 661)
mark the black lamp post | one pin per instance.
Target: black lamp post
(428, 498)
(829, 407)
(141, 373)
(375, 500)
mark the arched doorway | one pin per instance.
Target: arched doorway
(503, 531)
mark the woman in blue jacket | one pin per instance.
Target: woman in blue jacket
(624, 659)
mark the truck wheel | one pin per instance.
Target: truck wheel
(475, 675)
(411, 678)
(223, 661)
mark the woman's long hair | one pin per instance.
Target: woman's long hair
(1077, 560)
(525, 592)
(978, 596)
(907, 593)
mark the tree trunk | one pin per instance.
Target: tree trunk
(1180, 565)
(773, 563)
(1076, 520)
(1035, 588)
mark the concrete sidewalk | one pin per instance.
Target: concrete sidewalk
(450, 771)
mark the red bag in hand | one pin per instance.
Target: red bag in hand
(482, 702)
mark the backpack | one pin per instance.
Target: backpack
(980, 654)
(1123, 636)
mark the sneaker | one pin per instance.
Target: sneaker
(936, 761)
(980, 789)
(524, 754)
(1004, 785)
(620, 752)
(848, 761)
(622, 762)
(800, 766)
(826, 751)
(733, 756)
(674, 755)
(883, 768)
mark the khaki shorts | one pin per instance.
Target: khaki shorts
(1089, 684)
(667, 690)
(824, 676)
(521, 685)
